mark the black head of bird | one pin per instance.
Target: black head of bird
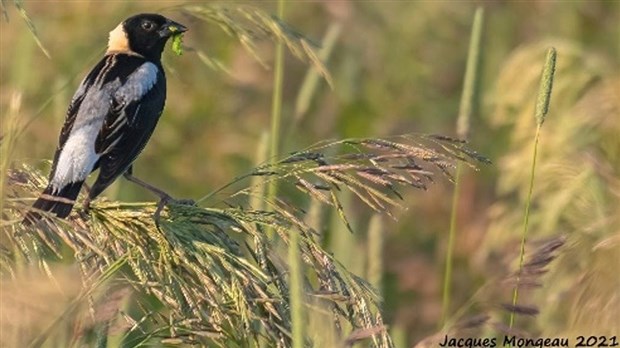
(144, 34)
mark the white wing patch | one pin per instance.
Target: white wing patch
(138, 84)
(78, 157)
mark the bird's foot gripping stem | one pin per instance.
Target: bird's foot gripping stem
(168, 200)
(164, 198)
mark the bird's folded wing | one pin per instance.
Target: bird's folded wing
(135, 110)
(73, 111)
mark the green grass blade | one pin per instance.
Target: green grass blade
(31, 27)
(311, 81)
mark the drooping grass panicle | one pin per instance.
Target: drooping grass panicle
(373, 169)
(482, 315)
(249, 24)
(215, 288)
(195, 265)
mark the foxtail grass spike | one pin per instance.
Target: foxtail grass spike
(546, 85)
(542, 107)
(250, 24)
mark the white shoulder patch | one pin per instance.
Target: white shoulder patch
(139, 83)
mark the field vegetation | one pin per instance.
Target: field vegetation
(365, 174)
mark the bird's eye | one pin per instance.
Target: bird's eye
(148, 25)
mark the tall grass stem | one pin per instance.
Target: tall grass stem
(258, 182)
(447, 281)
(296, 275)
(375, 252)
(295, 289)
(542, 108)
(276, 109)
(466, 109)
(471, 81)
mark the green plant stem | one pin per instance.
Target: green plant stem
(257, 182)
(515, 293)
(9, 126)
(375, 269)
(295, 289)
(311, 80)
(276, 111)
(466, 109)
(472, 78)
(276, 106)
(447, 281)
(542, 108)
(296, 276)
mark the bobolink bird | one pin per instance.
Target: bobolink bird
(111, 116)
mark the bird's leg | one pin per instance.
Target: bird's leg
(161, 194)
(86, 204)
(164, 198)
(85, 207)
(86, 187)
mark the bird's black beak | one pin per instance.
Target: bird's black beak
(171, 28)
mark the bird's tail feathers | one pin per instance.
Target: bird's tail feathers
(59, 203)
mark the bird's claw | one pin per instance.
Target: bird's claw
(84, 213)
(160, 206)
(185, 201)
(165, 200)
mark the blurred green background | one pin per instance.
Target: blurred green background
(398, 68)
